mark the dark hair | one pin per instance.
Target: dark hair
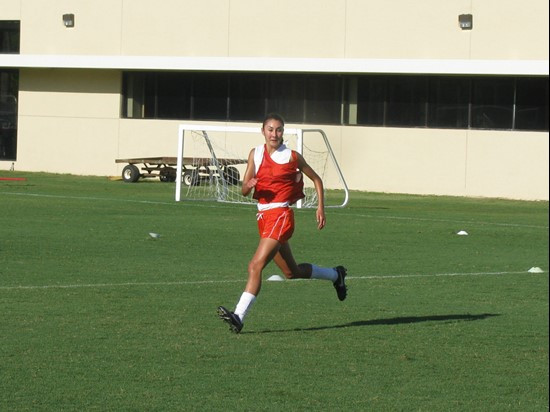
(273, 116)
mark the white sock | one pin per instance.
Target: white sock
(245, 302)
(323, 273)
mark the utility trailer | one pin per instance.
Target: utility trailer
(195, 170)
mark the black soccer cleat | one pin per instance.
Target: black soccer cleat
(340, 284)
(231, 319)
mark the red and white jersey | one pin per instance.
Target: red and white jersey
(280, 183)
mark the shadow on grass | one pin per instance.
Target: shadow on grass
(391, 321)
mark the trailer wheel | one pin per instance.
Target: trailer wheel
(231, 175)
(167, 174)
(190, 178)
(130, 174)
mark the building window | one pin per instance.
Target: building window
(173, 93)
(209, 97)
(492, 103)
(9, 91)
(285, 95)
(9, 86)
(406, 102)
(9, 36)
(247, 97)
(455, 102)
(369, 93)
(323, 99)
(448, 102)
(531, 111)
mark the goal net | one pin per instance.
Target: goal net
(212, 161)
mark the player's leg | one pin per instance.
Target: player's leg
(267, 248)
(286, 262)
(265, 251)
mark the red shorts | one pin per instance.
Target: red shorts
(276, 223)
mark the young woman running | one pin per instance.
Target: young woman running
(274, 172)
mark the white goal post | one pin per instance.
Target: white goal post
(211, 161)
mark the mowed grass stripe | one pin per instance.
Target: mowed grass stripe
(203, 204)
(199, 282)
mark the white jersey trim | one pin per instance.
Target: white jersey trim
(281, 156)
(267, 206)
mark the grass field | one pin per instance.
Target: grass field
(97, 315)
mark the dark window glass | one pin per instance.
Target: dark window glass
(9, 87)
(210, 96)
(133, 86)
(9, 36)
(323, 99)
(406, 102)
(136, 94)
(448, 103)
(140, 95)
(173, 96)
(531, 104)
(9, 91)
(247, 97)
(371, 100)
(492, 103)
(286, 96)
(150, 95)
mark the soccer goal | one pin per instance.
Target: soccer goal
(212, 160)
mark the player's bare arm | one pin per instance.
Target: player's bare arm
(249, 181)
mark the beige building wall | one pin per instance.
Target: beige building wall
(407, 29)
(10, 9)
(97, 28)
(510, 30)
(500, 163)
(69, 119)
(503, 29)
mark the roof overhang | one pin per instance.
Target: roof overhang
(274, 64)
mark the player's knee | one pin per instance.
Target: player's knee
(255, 266)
